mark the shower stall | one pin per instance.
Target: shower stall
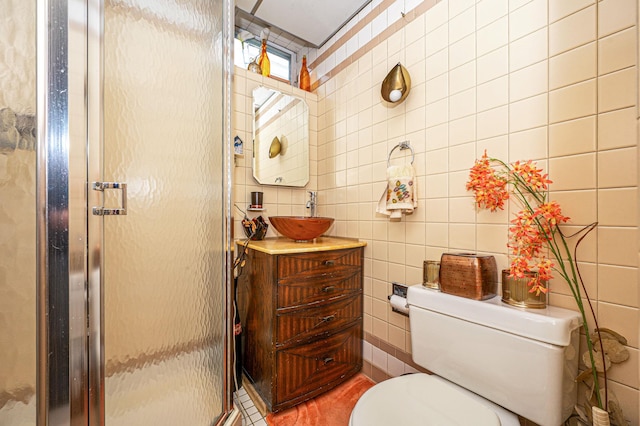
(114, 212)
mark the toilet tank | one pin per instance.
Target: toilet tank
(525, 360)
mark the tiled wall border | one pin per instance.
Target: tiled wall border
(377, 374)
(396, 26)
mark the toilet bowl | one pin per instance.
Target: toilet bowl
(423, 399)
(491, 363)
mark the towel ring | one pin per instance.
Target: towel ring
(402, 145)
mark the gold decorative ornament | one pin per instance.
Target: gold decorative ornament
(254, 67)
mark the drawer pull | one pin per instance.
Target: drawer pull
(329, 288)
(329, 262)
(328, 318)
(327, 360)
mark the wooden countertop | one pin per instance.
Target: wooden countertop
(286, 246)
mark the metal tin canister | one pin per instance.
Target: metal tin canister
(515, 291)
(469, 275)
(431, 274)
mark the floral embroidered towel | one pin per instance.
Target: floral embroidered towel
(400, 197)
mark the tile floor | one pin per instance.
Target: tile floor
(250, 414)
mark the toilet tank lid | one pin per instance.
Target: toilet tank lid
(551, 325)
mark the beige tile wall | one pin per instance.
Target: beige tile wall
(547, 80)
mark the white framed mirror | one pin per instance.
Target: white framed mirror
(280, 138)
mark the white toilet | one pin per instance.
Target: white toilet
(486, 355)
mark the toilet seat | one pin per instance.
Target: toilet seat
(423, 399)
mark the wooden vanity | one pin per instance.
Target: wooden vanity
(301, 310)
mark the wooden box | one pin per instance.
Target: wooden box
(469, 275)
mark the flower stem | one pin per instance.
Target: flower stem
(575, 289)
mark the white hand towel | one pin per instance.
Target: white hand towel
(401, 194)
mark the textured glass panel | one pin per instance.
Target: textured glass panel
(17, 213)
(163, 261)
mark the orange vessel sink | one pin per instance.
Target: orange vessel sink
(301, 228)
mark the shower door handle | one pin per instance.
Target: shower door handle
(102, 211)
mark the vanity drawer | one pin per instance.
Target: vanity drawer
(311, 278)
(322, 263)
(301, 293)
(296, 326)
(313, 368)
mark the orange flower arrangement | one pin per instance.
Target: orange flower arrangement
(533, 233)
(534, 227)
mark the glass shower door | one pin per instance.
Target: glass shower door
(17, 213)
(159, 212)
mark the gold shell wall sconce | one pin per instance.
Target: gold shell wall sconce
(396, 85)
(275, 147)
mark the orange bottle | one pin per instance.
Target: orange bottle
(264, 63)
(305, 79)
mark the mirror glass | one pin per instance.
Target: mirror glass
(280, 138)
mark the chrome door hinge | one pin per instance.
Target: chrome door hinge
(102, 211)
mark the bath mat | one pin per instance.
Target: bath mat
(329, 409)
